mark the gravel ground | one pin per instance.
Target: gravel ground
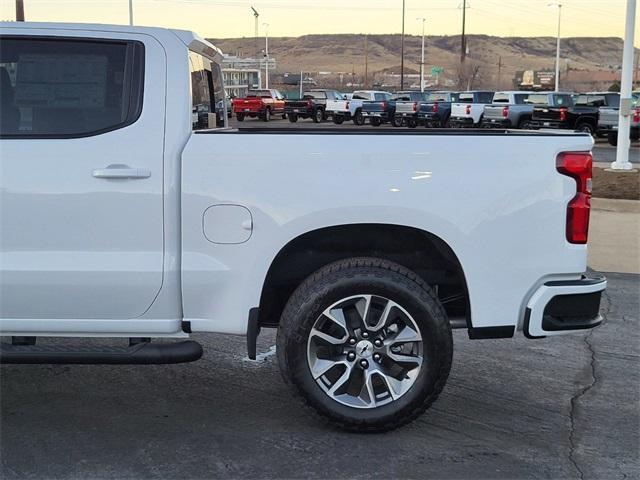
(555, 408)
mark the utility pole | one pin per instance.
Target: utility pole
(626, 111)
(463, 46)
(559, 5)
(266, 54)
(19, 10)
(424, 20)
(402, 50)
(499, 71)
(366, 60)
(131, 12)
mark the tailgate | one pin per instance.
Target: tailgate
(337, 106)
(608, 116)
(374, 106)
(406, 107)
(247, 104)
(546, 114)
(493, 111)
(460, 110)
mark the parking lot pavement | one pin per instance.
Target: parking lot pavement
(562, 407)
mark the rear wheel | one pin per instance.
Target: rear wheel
(376, 121)
(396, 121)
(358, 118)
(240, 117)
(525, 124)
(266, 116)
(585, 128)
(612, 138)
(411, 123)
(338, 119)
(318, 116)
(293, 118)
(365, 343)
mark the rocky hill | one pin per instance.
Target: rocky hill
(346, 53)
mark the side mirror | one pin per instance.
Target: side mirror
(344, 97)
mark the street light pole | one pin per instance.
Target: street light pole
(19, 10)
(624, 120)
(130, 12)
(266, 54)
(424, 20)
(559, 5)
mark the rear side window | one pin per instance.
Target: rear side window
(208, 109)
(485, 97)
(466, 98)
(501, 98)
(562, 101)
(538, 99)
(381, 96)
(63, 87)
(520, 98)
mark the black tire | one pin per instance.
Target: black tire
(318, 116)
(293, 118)
(358, 118)
(612, 138)
(585, 127)
(376, 121)
(266, 116)
(396, 121)
(240, 117)
(356, 276)
(412, 123)
(338, 119)
(525, 124)
(284, 116)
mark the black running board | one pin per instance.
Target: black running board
(146, 353)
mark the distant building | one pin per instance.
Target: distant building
(243, 74)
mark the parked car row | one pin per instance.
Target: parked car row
(595, 113)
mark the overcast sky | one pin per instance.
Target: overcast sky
(233, 18)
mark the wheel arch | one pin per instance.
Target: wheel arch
(425, 253)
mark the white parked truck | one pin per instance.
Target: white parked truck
(123, 217)
(351, 108)
(468, 110)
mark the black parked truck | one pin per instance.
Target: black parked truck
(557, 110)
(312, 105)
(436, 111)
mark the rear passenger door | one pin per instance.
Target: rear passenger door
(81, 215)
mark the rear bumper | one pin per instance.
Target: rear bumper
(461, 121)
(496, 122)
(298, 111)
(560, 307)
(382, 115)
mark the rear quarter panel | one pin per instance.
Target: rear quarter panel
(496, 200)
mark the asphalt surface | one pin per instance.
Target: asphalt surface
(565, 407)
(602, 151)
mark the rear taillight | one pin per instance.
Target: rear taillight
(563, 114)
(415, 106)
(384, 105)
(309, 104)
(577, 165)
(434, 108)
(468, 110)
(636, 115)
(347, 105)
(505, 112)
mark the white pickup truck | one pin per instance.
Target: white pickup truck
(351, 108)
(124, 219)
(468, 110)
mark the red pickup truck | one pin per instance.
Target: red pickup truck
(259, 103)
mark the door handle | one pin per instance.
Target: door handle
(121, 171)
